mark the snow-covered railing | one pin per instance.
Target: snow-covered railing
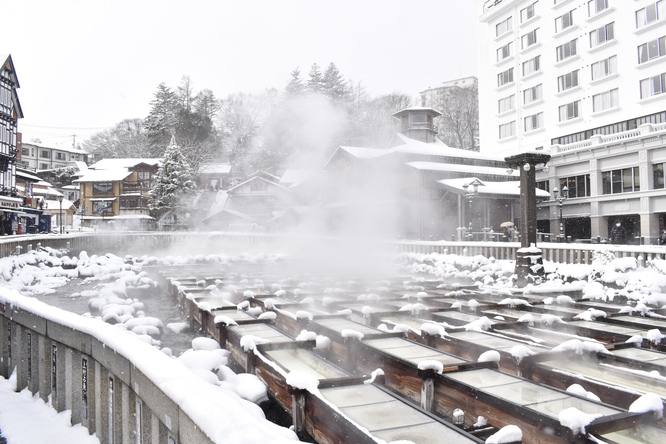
(140, 243)
(117, 386)
(644, 130)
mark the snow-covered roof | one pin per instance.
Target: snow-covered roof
(276, 185)
(125, 162)
(220, 201)
(296, 176)
(437, 148)
(435, 166)
(510, 188)
(114, 175)
(28, 176)
(405, 145)
(216, 168)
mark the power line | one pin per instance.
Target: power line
(65, 127)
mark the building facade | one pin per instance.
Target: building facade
(39, 157)
(583, 80)
(561, 71)
(116, 192)
(10, 112)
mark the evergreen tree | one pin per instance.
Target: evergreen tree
(295, 86)
(173, 189)
(161, 120)
(333, 84)
(316, 80)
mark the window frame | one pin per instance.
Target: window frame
(566, 50)
(607, 31)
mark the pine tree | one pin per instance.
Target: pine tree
(316, 80)
(333, 84)
(173, 189)
(295, 86)
(161, 120)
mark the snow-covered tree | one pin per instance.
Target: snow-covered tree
(316, 79)
(127, 139)
(334, 85)
(173, 189)
(295, 87)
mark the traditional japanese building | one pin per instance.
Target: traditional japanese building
(10, 112)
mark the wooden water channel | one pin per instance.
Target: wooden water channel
(431, 384)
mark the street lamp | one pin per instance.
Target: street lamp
(471, 191)
(60, 200)
(560, 200)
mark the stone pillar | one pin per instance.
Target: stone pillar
(529, 259)
(650, 227)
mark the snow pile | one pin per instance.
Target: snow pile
(649, 402)
(374, 375)
(550, 319)
(520, 351)
(575, 420)
(306, 335)
(303, 381)
(489, 356)
(348, 333)
(480, 422)
(506, 434)
(527, 318)
(433, 329)
(590, 315)
(578, 389)
(481, 324)
(654, 336)
(579, 347)
(431, 364)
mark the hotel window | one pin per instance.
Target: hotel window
(569, 111)
(653, 86)
(505, 77)
(605, 100)
(529, 39)
(60, 156)
(625, 180)
(531, 66)
(43, 166)
(504, 26)
(505, 51)
(658, 176)
(579, 186)
(604, 68)
(566, 50)
(567, 81)
(564, 21)
(507, 130)
(543, 185)
(527, 13)
(601, 35)
(533, 122)
(651, 13)
(506, 104)
(651, 50)
(594, 7)
(25, 151)
(532, 94)
(45, 154)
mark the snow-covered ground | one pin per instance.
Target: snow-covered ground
(113, 303)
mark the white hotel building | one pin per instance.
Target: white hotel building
(584, 80)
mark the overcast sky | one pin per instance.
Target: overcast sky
(85, 65)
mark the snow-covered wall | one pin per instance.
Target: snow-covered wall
(120, 388)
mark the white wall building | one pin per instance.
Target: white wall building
(560, 71)
(41, 157)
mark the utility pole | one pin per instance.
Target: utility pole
(74, 141)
